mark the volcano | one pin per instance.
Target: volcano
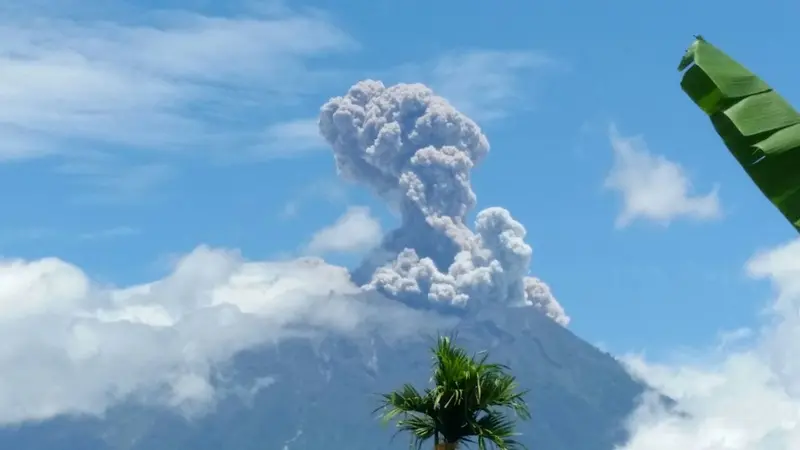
(312, 392)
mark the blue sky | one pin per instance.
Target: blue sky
(136, 134)
(146, 143)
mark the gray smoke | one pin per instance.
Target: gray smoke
(416, 151)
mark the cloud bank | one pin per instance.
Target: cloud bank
(73, 346)
(741, 398)
(416, 151)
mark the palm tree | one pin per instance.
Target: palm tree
(759, 127)
(470, 400)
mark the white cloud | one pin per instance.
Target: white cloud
(31, 233)
(484, 84)
(734, 399)
(290, 139)
(110, 233)
(103, 345)
(332, 191)
(356, 230)
(164, 85)
(115, 183)
(34, 233)
(653, 187)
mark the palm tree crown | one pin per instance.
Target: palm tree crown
(469, 401)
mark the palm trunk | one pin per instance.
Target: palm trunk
(446, 446)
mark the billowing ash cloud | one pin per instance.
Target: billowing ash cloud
(416, 151)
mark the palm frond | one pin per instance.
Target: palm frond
(404, 401)
(498, 429)
(464, 403)
(420, 427)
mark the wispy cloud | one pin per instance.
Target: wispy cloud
(16, 235)
(167, 85)
(290, 139)
(9, 236)
(109, 182)
(485, 84)
(110, 233)
(653, 187)
(329, 190)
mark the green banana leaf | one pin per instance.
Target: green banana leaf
(759, 127)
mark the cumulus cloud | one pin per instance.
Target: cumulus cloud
(416, 151)
(653, 187)
(356, 230)
(745, 398)
(103, 345)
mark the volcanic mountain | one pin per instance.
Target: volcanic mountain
(320, 391)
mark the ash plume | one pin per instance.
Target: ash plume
(416, 151)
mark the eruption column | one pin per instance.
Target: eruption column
(416, 151)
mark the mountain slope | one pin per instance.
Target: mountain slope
(318, 392)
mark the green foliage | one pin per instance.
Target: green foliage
(471, 401)
(759, 127)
